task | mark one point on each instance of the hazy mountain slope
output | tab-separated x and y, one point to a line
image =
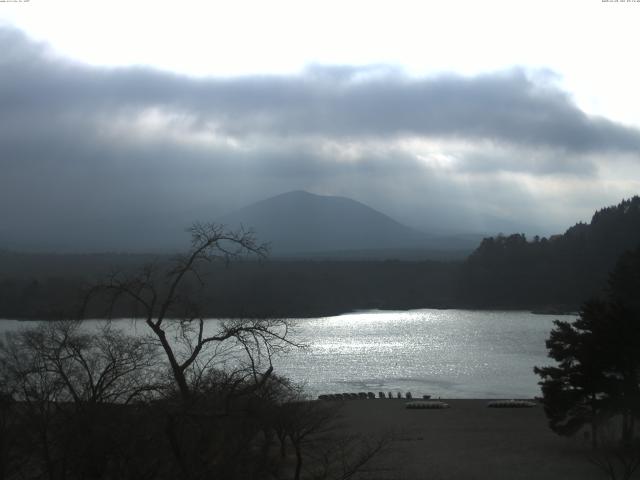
298	222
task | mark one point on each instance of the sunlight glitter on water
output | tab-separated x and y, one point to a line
443	353
447	353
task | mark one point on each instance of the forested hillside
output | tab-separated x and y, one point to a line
556	272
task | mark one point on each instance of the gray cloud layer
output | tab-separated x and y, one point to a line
336	102
74	150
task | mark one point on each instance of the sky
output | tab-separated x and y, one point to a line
123	122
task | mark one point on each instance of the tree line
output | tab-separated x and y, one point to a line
251	288
557	272
509	272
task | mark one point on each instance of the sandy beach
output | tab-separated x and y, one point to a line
467	441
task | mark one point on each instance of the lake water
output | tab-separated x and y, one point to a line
443	353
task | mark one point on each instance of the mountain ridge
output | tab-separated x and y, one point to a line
299	222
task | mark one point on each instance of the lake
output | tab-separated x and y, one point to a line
443	353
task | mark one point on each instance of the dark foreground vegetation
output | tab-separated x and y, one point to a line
181	402
508	272
594	385
77	404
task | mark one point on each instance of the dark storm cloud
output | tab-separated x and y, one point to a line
81	166
506	107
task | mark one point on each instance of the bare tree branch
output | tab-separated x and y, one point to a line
162	295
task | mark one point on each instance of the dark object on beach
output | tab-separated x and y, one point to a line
381	395
420	405
511	404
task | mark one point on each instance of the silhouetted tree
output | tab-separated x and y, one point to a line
93	404
63	378
322	448
170	299
598	355
576	391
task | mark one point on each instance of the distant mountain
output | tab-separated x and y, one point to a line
299	222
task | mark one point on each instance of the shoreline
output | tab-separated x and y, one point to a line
311	316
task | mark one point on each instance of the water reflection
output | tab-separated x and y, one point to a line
445	353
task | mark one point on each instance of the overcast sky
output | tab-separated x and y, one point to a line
134	118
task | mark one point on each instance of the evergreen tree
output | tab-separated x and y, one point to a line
598	355
576	392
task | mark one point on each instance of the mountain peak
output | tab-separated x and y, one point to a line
302	222
298	193
303	194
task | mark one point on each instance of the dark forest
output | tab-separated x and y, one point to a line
504	272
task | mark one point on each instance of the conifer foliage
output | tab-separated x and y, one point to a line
597	375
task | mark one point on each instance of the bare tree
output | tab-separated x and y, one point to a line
172	311
323	446
60	361
63	376
619	460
